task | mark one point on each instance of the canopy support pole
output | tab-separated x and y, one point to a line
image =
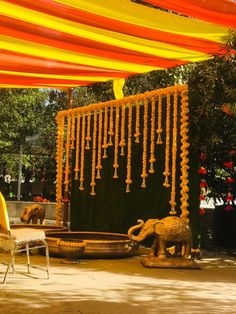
19	173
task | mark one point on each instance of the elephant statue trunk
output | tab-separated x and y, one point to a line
131	230
169	229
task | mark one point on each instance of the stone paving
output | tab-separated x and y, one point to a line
121	286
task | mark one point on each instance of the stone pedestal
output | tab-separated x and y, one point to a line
169	262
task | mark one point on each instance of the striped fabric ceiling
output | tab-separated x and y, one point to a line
221	12
67	43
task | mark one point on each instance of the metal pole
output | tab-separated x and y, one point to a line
19	173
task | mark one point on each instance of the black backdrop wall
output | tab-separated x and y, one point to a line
114	210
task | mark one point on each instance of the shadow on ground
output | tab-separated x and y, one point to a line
122	286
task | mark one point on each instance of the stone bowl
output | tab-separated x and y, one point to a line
97	244
71	248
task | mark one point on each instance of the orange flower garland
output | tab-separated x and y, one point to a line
105	145
88	137
93	183
76	170
128	180
137	122
152	144
82	154
116	148
184	155
122	132
110	132
67	168
99	158
59	161
159	120
145	136
167	149
72	143
174	155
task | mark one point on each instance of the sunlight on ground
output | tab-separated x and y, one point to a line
122	286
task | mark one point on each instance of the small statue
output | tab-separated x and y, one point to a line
167	230
33	212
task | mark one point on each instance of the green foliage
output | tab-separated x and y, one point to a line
19	115
211	85
212	94
25	114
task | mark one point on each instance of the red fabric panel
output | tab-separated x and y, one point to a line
12	61
18	79
221	12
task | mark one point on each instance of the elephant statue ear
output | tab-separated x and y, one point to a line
159	227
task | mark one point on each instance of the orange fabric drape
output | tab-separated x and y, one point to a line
56	43
221	12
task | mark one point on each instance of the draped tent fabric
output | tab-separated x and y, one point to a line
221	12
67	43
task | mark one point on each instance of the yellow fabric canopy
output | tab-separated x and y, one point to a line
66	43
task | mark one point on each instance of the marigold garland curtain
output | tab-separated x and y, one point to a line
49	43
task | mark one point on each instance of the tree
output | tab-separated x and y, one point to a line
20	117
213	122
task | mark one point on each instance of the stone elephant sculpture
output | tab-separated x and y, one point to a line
33	213
170	229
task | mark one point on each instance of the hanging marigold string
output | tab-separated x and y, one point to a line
128	180
105	145
72	139
99	157
77	151
137	122
122	132
116	148
67	167
88	137
152	143
59	162
81	179
159	120
94	153
145	137
174	155
110	132
167	148
184	155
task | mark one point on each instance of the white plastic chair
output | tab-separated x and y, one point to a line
19	240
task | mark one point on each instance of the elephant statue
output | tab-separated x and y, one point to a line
167	230
33	213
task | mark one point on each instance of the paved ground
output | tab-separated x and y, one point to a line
122	286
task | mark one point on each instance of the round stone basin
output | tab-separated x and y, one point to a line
97	244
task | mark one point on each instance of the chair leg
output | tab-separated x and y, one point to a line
47	257
6	272
28	257
11	264
13	261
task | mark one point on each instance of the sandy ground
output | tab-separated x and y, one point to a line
121	286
